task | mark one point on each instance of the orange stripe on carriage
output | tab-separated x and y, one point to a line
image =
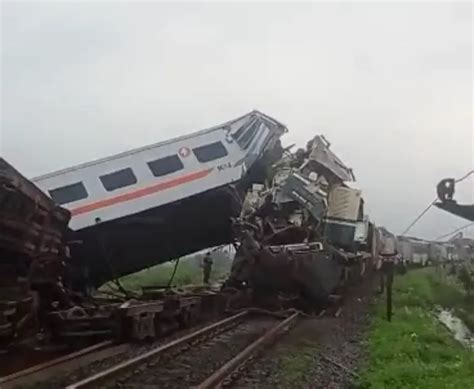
141	192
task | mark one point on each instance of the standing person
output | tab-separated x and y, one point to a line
207	267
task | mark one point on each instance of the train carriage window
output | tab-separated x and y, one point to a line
167	165
118	179
69	193
236	135
249	135
210	152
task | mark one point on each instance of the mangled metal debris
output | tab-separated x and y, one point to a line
305	232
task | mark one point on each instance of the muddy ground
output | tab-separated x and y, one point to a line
320	352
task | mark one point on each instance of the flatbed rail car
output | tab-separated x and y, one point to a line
157	203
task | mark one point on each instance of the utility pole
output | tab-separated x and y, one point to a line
389	275
387	279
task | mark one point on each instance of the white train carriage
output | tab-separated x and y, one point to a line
162	173
140	200
414	250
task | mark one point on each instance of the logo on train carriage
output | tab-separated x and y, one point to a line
184	151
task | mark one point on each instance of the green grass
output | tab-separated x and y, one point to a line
415	350
429	288
296	363
187	273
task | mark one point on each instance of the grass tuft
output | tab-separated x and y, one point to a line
297	361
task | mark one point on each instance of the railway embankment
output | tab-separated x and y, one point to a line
418	348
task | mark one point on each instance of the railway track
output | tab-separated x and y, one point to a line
59	372
207	358
62	365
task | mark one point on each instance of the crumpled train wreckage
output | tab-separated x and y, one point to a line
296	219
303	233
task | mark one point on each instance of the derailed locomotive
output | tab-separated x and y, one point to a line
304	232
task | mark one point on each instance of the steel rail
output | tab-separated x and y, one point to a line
61	365
217	379
141	360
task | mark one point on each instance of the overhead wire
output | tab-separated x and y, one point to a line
418	217
455	231
465	176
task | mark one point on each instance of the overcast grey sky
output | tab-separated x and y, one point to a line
389	84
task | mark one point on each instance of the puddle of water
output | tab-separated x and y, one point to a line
459	330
